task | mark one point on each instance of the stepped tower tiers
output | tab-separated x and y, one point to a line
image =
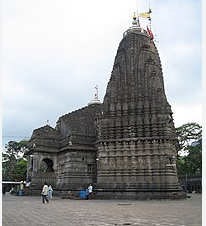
126	146
137	144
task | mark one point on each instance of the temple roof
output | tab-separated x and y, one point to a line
46	132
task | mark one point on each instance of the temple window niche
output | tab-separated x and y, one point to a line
90	168
46	165
171	161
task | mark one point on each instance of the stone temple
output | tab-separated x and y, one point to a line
126	146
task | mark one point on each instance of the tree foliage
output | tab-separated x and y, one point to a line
16	149
190	154
187	134
20	170
14	165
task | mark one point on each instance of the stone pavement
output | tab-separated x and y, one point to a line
30	211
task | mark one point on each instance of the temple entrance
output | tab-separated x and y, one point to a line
47	165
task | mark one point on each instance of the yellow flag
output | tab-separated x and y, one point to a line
145	15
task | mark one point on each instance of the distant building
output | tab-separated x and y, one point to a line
126	146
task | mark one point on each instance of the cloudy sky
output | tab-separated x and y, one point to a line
54	53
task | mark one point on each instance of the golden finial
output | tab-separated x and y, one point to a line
134	17
135	22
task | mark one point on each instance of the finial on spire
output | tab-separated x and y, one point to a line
96	94
95	100
135	21
134	17
150	10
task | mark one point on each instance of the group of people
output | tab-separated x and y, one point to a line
46	193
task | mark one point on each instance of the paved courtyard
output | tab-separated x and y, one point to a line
30	211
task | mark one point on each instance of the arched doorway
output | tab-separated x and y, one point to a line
47	165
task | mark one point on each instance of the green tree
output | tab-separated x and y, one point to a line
187	134
13	162
20	170
16	149
193	160
8	163
190	153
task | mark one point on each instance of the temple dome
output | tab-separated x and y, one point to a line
135	28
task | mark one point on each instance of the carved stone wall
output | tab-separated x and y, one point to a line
126	146
68	151
137	137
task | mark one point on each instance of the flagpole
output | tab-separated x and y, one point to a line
150	21
138	15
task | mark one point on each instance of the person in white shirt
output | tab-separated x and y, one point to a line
50	190
45	193
90	190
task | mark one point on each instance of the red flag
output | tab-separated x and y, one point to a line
150	33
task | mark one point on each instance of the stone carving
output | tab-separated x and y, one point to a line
124	146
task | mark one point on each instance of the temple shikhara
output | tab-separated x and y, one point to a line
126	146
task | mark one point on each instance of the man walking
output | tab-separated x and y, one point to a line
45	192
90	190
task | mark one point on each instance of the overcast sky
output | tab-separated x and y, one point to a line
54	53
